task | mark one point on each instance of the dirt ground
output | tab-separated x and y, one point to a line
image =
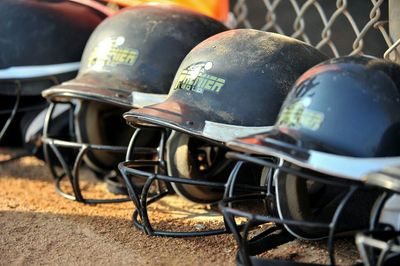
38	227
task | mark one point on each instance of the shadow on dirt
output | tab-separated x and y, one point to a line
46	238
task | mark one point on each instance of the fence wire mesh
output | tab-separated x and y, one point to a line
342	27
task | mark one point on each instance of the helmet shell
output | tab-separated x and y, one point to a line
40	35
138	49
239	77
347	106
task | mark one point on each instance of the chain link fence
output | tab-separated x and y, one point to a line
341	27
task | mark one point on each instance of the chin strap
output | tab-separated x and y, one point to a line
8	123
13	112
269	239
20	155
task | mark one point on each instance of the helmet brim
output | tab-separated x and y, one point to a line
192	120
91	87
170	114
275	143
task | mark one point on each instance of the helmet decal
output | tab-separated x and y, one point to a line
110	52
194	78
297	115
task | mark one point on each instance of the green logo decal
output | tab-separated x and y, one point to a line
109	52
297	115
194	78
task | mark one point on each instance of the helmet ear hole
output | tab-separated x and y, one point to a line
305	200
195	159
98	123
302	199
294	204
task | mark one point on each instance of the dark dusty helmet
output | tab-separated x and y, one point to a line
43	46
230	85
129	62
340	121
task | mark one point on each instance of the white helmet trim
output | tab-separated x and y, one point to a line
226	132
36	125
36	71
346	167
142	99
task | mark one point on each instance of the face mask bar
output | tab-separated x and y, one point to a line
268	239
13	112
141	197
380	245
52	146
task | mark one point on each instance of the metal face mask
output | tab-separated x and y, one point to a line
129	62
226	87
320	182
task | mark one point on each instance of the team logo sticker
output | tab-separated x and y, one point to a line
195	78
297	115
111	52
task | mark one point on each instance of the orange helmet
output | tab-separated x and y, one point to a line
217	9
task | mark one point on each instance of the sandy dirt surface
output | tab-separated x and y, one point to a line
37	226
